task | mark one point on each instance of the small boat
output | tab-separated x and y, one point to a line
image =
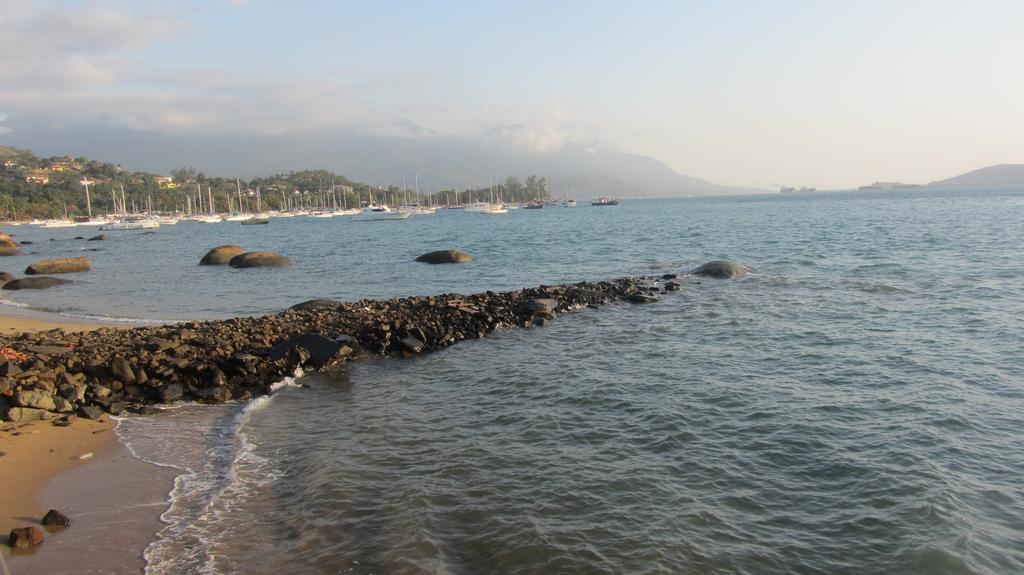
605	201
569	204
494	210
255	221
534	205
374	212
128	223
236	217
475	206
59	224
209	219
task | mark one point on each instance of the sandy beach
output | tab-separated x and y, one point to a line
83	471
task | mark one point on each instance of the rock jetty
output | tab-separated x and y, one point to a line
53	374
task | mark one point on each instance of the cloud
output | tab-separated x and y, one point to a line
545	132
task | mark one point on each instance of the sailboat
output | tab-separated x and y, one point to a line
211	218
259	218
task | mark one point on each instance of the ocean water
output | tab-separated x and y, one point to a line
854	406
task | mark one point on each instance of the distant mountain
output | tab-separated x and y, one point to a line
441	162
1001	175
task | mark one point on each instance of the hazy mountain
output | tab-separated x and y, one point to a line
1001	175
441	162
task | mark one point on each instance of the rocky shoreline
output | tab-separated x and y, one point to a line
56	375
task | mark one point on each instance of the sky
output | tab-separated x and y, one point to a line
831	94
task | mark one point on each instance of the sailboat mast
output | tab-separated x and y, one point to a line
88	204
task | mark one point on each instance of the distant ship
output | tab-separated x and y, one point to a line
605	201
802	190
888	186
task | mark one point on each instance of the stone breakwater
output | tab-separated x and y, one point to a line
53	374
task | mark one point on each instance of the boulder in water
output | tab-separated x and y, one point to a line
220	255
259	260
98	238
723	270
54	518
7	246
5	277
59	266
445	257
40	282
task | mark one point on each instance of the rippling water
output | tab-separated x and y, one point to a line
854	406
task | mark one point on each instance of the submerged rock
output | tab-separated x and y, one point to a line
40	282
220	255
723	270
317	304
445	257
59	266
259	260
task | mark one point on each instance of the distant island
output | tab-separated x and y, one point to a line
998	176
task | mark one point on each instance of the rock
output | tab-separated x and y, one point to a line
36	399
19	414
217	394
40	282
723	270
7	245
62	405
25	243
259	260
220	255
25	537
98	238
540	306
59	266
5	277
54	518
170	393
642	298
673	286
321	351
541	322
411	344
445	257
317	304
90	412
122	370
117	408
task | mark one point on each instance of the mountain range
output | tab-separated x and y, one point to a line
440	162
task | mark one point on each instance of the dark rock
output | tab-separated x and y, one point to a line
220	255
25	537
59	266
411	344
259	260
445	257
672	286
90	412
541	322
54	518
642	298
216	394
26	242
9	369
98	238
122	370
723	270
5	277
170	393
317	304
540	306
321	351
40	282
117	408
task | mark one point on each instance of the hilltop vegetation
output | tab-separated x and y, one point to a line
34	187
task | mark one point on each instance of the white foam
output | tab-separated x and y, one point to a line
210	485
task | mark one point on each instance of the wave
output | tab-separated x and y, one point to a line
218	462
81	316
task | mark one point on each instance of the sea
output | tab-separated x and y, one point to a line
855	405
